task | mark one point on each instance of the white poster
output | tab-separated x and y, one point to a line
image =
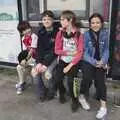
78	6
10	44
67	4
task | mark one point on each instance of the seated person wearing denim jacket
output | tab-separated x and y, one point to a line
96	53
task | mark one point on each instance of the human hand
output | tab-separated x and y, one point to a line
23	62
72	53
47	75
41	68
34	72
100	64
29	54
67	68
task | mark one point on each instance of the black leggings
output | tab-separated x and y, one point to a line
98	74
59	76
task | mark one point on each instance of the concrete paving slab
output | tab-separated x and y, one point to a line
27	107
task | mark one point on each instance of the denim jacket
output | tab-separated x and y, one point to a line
89	50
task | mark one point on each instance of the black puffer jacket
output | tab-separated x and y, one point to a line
45	46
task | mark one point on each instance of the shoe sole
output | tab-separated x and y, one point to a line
103	118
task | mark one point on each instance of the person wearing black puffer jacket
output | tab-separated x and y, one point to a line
45	55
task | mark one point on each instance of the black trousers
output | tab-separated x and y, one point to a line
59	77
98	74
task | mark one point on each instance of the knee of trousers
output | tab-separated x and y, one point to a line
20	68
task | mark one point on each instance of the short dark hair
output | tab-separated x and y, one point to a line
23	25
94	15
48	13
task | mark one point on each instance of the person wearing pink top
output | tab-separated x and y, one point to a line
69	48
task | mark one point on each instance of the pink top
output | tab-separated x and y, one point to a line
59	47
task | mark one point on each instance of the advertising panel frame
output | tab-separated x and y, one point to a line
5	63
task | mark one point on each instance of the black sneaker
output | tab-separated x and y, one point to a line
62	99
50	97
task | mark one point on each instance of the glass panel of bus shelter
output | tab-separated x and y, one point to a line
10	44
33	10
102	7
78	6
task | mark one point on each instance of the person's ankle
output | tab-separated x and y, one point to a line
74	106
103	104
62	99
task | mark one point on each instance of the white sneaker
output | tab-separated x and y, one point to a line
17	85
19	91
84	103
101	113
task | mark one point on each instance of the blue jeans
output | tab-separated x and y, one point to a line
42	89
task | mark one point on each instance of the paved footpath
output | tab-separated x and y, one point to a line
27	107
